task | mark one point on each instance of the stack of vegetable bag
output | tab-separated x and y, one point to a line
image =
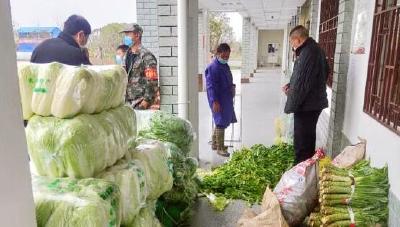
81	128
156	178
82	146
129	175
70	202
64	91
249	172
146	217
169	128
153	156
174	207
356	196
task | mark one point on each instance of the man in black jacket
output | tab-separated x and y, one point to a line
68	47
306	92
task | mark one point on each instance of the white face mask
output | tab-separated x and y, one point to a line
120	60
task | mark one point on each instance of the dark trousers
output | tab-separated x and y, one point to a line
305	125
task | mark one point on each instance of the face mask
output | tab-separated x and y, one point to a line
119	60
222	61
128	41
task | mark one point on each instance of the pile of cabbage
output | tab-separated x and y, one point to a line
142	176
71	202
64	91
139	179
169	128
82	144
174	206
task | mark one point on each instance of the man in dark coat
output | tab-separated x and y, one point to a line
306	92
68	47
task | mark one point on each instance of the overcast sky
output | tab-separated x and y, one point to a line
97	12
236	22
55	12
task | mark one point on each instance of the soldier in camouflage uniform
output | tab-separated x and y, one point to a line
141	66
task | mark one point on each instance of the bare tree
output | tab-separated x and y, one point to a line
220	30
103	43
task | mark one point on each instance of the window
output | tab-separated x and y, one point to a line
327	32
382	91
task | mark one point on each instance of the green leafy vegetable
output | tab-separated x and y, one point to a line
174	208
177	135
146	218
129	176
153	156
76	203
169	128
361	190
27	74
80	147
64	91
249	172
218	202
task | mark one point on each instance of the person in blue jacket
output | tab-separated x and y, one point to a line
220	94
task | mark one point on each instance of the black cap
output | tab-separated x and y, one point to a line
133	28
75	24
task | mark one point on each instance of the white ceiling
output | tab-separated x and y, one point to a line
265	14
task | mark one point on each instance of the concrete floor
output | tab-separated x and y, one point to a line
257	105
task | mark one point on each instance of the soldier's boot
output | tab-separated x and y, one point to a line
221	148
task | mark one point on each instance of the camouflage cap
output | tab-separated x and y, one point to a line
133	28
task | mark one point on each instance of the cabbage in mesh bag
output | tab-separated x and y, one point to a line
76	203
64	91
27	74
44	89
73	89
111	86
129	176
169	128
146	218
154	158
80	147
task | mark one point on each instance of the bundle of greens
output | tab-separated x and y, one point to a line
249	172
129	176
82	146
173	208
314	220
76	203
64	91
354	196
169	128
